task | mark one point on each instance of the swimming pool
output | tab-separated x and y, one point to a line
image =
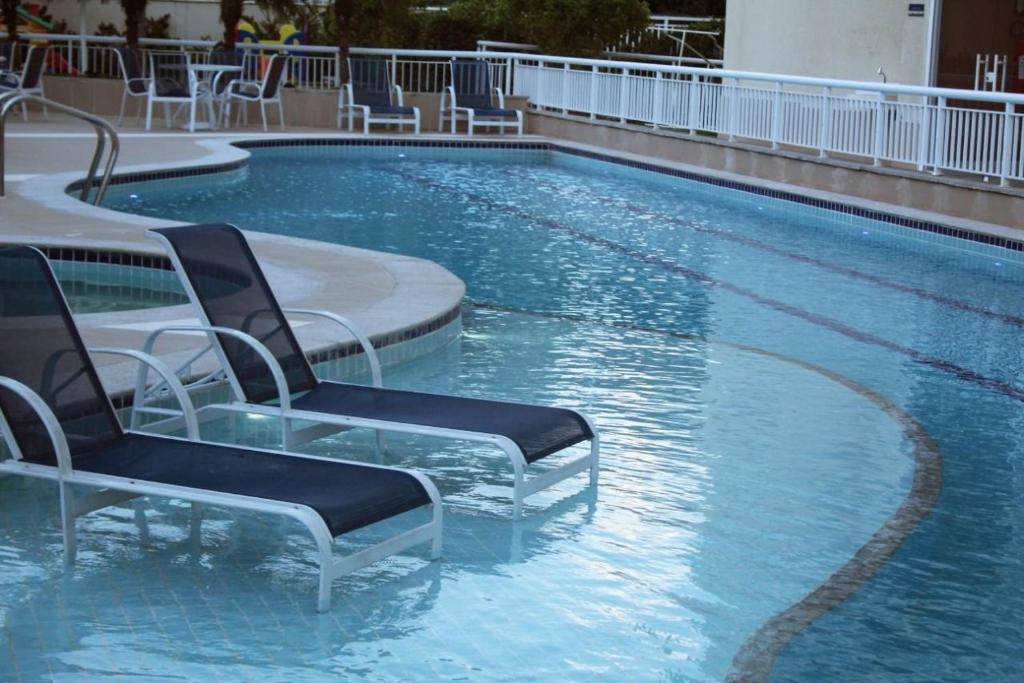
765	377
107	287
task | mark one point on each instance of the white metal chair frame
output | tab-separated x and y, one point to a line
24	75
192	99
368	117
455	113
127	92
113	490
253	91
327	423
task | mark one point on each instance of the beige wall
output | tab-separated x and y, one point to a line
843	39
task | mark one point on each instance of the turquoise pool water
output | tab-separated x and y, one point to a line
107	287
757	370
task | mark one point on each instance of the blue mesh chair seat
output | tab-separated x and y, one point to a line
371	95
229	290
472	97
537	430
57	423
347	496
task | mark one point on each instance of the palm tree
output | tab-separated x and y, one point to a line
230	14
134	18
10	9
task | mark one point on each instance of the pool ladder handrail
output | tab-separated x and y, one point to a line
103	129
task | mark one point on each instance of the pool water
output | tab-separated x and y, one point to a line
105	287
764	375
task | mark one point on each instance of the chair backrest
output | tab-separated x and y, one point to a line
7	52
169	70
35	63
272	79
471	79
371	82
42	349
131	69
228	284
229	57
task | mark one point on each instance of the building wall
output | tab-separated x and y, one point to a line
190	19
843	39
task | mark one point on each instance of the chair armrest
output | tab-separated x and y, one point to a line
501	98
450	92
49	420
188	412
364	341
283	394
398	95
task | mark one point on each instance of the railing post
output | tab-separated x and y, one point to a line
825	134
659	95
1006	168
508	75
924	136
776	127
733	110
593	92
691	103
623	90
879	144
394	73
337	68
939	146
565	88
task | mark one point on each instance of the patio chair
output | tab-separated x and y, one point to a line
222	81
58	424
371	95
471	96
171	82
228	291
267	91
30	81
135	83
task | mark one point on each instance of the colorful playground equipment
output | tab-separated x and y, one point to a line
32	23
247	35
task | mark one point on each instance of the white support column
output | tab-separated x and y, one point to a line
1006	167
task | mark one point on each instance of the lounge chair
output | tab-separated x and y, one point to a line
135	84
228	290
266	91
470	96
58	424
30	81
371	95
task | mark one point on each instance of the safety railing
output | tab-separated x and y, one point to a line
103	130
928	129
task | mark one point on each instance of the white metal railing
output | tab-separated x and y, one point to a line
934	129
929	129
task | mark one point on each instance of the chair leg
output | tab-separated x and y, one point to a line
280	112
453	121
124	101
167	114
24	112
263	114
416	126
469	124
192	116
149	113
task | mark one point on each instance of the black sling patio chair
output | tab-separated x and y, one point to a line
30	80
472	97
371	95
270	375
57	423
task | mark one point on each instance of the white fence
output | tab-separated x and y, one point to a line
932	129
928	129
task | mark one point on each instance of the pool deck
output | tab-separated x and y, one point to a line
382	293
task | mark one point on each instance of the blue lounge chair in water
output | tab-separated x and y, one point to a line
270	375
471	97
57	423
371	95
